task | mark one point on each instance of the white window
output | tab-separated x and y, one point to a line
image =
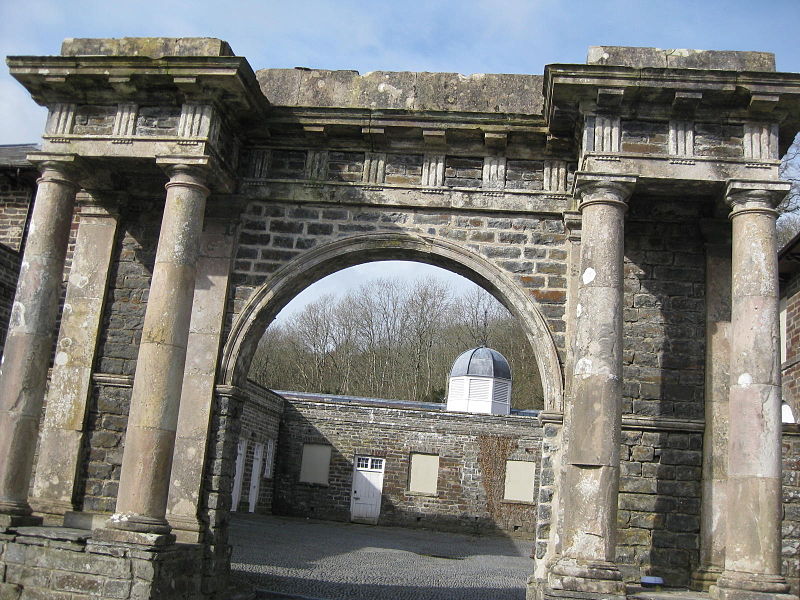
424	473
269	459
520	476
315	464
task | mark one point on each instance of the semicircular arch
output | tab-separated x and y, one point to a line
282	286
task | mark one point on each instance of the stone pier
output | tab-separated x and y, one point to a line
23	374
717	391
68	395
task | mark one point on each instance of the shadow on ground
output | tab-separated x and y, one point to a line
336	561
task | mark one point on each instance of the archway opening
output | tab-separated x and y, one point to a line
455	473
391	330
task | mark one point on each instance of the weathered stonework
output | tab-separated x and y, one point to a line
589	200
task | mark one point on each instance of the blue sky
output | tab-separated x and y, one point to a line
465	36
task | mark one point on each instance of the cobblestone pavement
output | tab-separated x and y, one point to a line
344	561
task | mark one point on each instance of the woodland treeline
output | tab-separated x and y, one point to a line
392	338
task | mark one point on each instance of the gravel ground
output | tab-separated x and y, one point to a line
346	561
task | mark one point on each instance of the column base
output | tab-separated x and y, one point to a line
85	520
120	536
735	585
187	530
569	578
704	577
138	523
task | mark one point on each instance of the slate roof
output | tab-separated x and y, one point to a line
13	155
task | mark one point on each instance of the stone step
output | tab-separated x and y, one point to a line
665	594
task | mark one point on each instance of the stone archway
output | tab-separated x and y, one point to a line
279	289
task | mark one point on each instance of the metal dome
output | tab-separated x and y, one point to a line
481	362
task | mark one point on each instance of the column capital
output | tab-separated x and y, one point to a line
751	195
187	171
601	188
65	169
573	224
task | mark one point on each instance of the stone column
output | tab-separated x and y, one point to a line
753	541
155	399
23	374
71	379
197	395
715	435
591	482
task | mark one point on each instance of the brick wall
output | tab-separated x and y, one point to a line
9	273
472	452
790	371
15	203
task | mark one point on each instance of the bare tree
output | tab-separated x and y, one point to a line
789	209
392	339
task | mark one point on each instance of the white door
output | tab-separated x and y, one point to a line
255	476
365	506
238	474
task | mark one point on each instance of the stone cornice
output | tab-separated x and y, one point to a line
570	90
227	81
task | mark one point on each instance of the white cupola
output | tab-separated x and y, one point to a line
480	382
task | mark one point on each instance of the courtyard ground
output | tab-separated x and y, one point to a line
304	558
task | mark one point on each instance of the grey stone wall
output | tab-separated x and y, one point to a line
664	312
790	528
659	504
529	248
66	564
472	451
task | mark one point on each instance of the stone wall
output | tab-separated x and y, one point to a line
530	249
472	451
261	416
66	564
664	309
659	503
790	528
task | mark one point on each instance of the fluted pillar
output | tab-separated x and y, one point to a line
155	399
753	540
23	374
591	482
